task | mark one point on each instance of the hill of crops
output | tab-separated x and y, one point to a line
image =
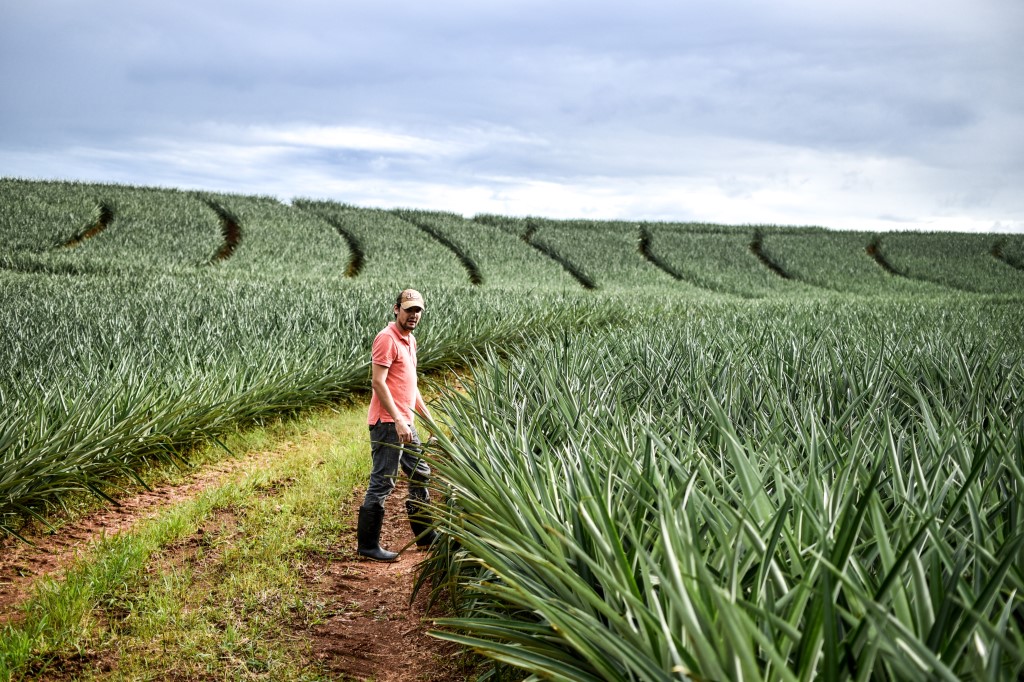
688	450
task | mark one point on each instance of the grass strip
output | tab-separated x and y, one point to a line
209	588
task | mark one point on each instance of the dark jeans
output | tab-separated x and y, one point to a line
387	456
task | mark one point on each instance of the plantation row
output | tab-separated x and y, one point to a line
788	493
74	228
99	375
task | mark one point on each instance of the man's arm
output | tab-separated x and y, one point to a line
378	381
421	407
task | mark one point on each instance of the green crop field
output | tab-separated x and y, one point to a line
844	262
721	260
685	451
965	262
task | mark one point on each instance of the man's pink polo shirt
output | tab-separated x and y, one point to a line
398	353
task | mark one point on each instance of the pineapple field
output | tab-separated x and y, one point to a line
677	451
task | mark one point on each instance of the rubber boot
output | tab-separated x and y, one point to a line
418	519
368	534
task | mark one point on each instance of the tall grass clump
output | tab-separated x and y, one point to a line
785	494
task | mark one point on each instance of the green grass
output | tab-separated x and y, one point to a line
134	607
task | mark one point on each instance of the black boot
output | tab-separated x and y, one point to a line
418	519
368	534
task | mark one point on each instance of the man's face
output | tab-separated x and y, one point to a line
408	318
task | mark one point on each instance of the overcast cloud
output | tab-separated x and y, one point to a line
857	114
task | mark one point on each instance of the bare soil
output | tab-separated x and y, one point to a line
374	632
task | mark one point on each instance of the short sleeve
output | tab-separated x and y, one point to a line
384	350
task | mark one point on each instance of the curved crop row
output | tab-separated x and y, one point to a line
1001	251
756	249
717	260
846	262
577	273
476	278
526	229
285	242
395	253
355	247
103	219
648	253
162	229
957	260
874	249
500	258
40	216
142	228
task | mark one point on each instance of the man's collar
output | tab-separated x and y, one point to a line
397	331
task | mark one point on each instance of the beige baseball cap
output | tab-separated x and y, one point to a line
412	299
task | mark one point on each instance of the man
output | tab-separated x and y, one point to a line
393	437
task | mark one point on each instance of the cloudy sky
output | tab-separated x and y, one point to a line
858	114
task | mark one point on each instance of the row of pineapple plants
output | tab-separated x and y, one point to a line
100	375
783	493
54	227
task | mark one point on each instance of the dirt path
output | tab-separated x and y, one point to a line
21	564
371	630
374	632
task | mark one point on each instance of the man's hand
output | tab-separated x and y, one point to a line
404	432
